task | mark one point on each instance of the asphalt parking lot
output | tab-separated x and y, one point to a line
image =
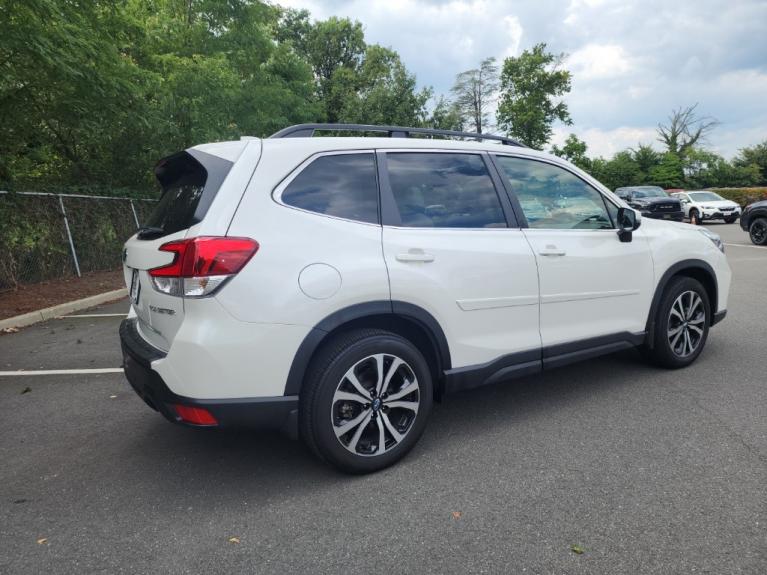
644	470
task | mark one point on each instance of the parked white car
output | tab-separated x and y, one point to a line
336	287
701	205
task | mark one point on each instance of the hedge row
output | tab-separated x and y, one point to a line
742	196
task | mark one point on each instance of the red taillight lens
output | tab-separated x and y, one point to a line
206	256
195	415
201	265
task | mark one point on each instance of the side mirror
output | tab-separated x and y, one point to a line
628	221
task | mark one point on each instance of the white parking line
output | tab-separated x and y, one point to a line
95	315
745	246
61	371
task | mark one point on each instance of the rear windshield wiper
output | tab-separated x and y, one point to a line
149	232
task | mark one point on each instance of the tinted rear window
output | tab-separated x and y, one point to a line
189	181
339	185
444	190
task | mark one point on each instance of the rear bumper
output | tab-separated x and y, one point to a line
278	413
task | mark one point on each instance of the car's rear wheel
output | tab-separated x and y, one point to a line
681	324
366	400
758	231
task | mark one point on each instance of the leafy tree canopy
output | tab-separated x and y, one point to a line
532	85
574	151
107	88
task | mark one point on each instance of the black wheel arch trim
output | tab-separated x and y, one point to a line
344	316
674	270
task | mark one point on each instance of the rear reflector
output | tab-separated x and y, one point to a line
195	415
201	265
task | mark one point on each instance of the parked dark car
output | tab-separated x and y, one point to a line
754	221
653	202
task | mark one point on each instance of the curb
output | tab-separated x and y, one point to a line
32	317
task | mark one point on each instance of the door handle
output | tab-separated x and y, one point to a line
551	252
415	255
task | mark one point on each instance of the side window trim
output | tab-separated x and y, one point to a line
389	211
508	192
508	208
390	215
518	206
278	190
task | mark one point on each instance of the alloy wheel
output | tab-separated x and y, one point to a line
758	232
686	323
375	404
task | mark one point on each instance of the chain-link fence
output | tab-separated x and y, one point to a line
47	236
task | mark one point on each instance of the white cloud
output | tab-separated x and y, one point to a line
599	61
606	143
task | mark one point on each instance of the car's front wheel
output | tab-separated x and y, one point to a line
758	231
694	217
730	220
681	324
366	400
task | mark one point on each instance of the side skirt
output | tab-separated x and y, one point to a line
524	363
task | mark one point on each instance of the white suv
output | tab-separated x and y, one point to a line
700	205
335	287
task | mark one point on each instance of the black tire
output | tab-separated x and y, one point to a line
321	413
757	231
694	217
663	353
730	220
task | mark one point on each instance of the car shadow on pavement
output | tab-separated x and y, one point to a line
240	460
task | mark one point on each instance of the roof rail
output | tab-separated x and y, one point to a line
308	130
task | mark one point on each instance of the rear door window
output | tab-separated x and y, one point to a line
338	185
189	180
444	190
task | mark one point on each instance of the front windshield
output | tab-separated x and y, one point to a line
704	196
649	193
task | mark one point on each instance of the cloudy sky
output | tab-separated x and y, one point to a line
632	62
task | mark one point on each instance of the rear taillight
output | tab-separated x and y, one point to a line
201	265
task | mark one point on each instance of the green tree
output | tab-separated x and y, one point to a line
668	173
384	92
754	156
108	88
573	150
646	159
531	89
474	92
294	28
621	170
446	116
67	93
336	48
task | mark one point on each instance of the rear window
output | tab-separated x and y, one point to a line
189	181
339	185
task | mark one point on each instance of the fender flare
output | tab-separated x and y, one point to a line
675	269
341	317
760	212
